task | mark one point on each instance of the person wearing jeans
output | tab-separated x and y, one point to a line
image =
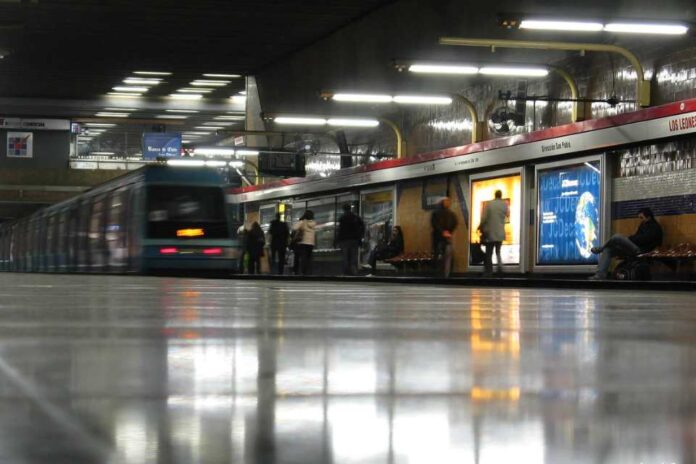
647	238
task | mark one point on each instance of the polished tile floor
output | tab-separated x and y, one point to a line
163	370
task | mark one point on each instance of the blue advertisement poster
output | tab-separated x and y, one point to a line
569	214
161	144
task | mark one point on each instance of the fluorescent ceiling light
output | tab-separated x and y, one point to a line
185	141
141	81
196	133
209	83
243	93
214	151
236	164
106	114
96	131
102	153
218	123
422	100
152	73
514	71
185	96
302	121
215	163
223	76
583	26
443	69
195	90
99	124
229	118
121	109
209	127
171	116
246	152
127	88
353	122
181	111
636	28
362	98
185	162
238	98
125	95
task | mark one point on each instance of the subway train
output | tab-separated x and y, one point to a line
568	188
153	219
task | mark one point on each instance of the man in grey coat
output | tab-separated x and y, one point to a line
492	228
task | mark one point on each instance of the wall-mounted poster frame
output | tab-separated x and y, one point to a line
586	230
377	221
514	180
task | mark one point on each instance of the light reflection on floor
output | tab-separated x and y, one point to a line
148	370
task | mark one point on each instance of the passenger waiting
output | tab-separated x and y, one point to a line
443	222
389	249
351	231
279	233
647	238
254	246
492	229
305	239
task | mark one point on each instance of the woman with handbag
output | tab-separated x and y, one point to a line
303	241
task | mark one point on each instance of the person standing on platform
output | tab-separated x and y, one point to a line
305	233
242	237
647	238
351	231
255	243
443	222
492	228
279	233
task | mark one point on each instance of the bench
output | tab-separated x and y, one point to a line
638	267
414	261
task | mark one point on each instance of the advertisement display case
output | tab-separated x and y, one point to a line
482	190
570	214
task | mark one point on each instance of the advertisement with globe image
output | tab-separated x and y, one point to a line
569	214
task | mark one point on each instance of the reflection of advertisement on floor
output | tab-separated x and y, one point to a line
482	192
569	220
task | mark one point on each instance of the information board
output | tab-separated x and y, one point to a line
569	220
161	144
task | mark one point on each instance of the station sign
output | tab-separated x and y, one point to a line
161	145
35	124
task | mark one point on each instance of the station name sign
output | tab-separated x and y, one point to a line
683	123
35	124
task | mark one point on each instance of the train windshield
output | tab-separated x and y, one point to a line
186	212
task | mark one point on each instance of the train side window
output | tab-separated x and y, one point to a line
96	232
115	229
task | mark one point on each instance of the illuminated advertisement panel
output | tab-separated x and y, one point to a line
569	214
483	191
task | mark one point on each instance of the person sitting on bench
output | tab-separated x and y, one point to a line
647	238
394	247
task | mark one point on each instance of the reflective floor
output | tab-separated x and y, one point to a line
156	370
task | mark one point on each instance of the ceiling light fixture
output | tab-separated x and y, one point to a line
217	123
102	153
141	81
223	76
637	28
215	163
99	124
214	151
171	116
121	109
236	164
514	71
125	95
186	162
209	127
300	121
340	122
362	98
246	152
230	118
195	90
108	114
550	25
442	69
196	133
209	83
186	96
422	100
181	111
126	88
152	73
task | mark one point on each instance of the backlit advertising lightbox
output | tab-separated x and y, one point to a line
483	191
569	213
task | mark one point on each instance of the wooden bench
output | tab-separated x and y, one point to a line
638	267
418	261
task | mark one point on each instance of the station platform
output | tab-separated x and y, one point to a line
120	369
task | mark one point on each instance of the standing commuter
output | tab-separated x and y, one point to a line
443	222
305	236
255	244
280	233
351	231
242	237
492	228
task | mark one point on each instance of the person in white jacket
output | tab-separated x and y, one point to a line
305	238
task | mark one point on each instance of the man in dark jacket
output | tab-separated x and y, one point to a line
351	231
647	238
443	222
279	232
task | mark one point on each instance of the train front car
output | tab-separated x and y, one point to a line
187	225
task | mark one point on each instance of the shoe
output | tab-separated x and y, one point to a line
369	275
596	250
596	277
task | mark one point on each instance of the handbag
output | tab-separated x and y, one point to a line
296	238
